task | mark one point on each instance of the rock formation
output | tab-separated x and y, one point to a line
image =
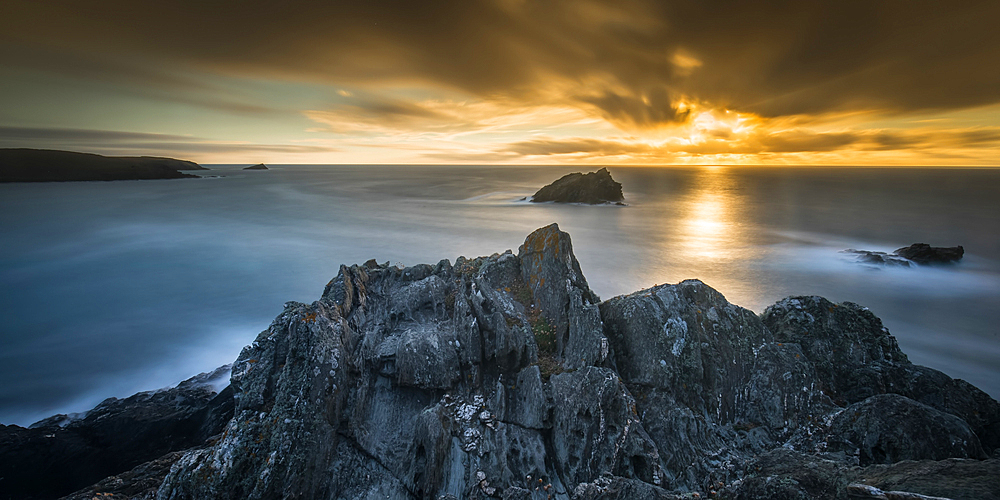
915	254
507	377
259	166
63	453
41	165
592	188
922	253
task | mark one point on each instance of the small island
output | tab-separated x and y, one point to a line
259	166
44	165
593	188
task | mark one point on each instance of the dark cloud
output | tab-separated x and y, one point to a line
775	58
10	134
121	142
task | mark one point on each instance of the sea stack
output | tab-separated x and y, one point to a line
593	188
259	166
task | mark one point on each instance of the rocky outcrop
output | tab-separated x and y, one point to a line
41	165
591	188
915	254
63	453
506	377
259	166
922	253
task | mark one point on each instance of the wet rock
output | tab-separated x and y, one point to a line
785	474
888	428
879	258
955	478
687	340
924	254
591	188
596	429
847	344
562	296
619	488
855	357
64	453
504	377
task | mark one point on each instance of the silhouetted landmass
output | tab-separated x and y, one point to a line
592	188
259	166
44	165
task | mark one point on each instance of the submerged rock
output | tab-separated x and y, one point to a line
922	253
592	188
259	166
915	254
506	377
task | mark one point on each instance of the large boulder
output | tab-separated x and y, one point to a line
591	188
888	428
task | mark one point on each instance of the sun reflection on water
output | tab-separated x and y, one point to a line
708	229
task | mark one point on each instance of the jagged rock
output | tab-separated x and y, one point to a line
847	344
562	296
259	166
502	377
924	254
879	258
915	254
888	428
64	453
619	488
955	478
591	188
140	483
596	429
785	474
855	357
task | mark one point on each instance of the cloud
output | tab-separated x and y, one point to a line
138	143
757	143
774	59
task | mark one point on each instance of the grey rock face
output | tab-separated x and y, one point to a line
847	344
888	428
855	358
504	377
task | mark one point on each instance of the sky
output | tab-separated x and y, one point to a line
820	82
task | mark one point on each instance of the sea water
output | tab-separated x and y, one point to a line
109	288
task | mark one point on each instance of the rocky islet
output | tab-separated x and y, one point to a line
507	377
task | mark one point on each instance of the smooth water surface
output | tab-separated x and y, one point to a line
108	288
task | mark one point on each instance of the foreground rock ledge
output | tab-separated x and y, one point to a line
506	377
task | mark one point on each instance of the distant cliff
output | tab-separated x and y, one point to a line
507	377
43	165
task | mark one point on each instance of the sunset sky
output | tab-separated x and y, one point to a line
506	81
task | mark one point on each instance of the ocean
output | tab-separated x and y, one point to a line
109	288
